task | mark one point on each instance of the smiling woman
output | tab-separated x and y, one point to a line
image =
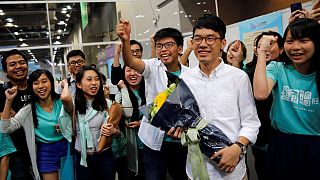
39	120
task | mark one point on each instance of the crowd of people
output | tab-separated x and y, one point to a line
270	103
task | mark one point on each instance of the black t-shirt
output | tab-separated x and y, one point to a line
23	97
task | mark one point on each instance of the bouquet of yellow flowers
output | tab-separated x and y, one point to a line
160	99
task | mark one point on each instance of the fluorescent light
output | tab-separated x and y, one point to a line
2	13
24	45
69	7
61	23
146	31
16	33
57	43
59	31
10	20
9	25
20	39
58	37
63	12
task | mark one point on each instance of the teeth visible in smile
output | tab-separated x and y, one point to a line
165	55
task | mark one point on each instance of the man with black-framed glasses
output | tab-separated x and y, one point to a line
225	100
76	60
163	150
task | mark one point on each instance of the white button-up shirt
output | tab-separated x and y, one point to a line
156	81
225	100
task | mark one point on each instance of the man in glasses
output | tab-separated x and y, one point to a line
116	70
76	60
162	151
225	99
15	66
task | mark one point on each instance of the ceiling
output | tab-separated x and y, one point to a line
29	22
26	25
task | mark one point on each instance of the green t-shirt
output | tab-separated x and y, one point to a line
46	131
6	145
296	106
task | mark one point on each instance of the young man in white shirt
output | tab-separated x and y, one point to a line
225	99
163	150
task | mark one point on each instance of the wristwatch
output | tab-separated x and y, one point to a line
242	147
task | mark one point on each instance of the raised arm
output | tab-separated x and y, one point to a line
10	95
117	56
262	85
66	97
123	30
153	47
116	70
315	11
186	53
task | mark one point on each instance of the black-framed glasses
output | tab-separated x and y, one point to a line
79	62
167	45
137	51
208	39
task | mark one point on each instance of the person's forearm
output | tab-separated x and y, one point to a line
4	166
129	60
66	99
116	59
185	56
260	83
153	51
6	110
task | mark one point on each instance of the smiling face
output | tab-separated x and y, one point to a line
75	63
90	84
168	55
208	53
300	51
17	68
42	87
132	77
136	51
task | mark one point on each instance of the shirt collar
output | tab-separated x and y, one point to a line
217	72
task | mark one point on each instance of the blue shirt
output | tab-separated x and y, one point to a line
46	131
6	145
296	107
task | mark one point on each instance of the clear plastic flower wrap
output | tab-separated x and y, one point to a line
181	110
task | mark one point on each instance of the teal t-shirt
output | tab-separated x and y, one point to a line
6	145
177	73
46	131
296	106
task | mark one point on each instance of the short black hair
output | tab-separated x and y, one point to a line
169	33
10	53
210	21
75	53
132	42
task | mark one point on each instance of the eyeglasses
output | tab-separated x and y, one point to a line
137	51
209	40
167	45
79	62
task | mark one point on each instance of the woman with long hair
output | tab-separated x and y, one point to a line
40	121
293	150
259	149
90	108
